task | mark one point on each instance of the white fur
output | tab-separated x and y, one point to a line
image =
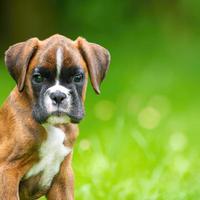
58	87
59	61
52	152
50	107
66	104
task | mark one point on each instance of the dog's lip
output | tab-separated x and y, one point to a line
73	119
58	113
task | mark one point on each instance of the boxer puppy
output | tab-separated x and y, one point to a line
38	121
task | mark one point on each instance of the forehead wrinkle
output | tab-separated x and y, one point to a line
58	54
48	44
48	56
71	56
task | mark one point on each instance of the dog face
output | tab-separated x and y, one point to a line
58	82
53	75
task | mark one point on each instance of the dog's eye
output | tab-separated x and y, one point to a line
38	78
78	78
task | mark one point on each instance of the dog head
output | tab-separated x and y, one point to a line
53	74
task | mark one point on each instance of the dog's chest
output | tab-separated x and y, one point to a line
52	152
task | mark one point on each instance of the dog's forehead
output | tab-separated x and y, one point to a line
59	50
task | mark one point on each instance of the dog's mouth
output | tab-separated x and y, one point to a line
66	117
58	113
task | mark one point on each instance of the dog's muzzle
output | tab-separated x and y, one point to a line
63	103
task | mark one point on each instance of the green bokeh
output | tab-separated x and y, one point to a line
140	137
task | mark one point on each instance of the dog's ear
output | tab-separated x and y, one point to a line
97	60
17	59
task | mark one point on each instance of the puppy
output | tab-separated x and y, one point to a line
38	121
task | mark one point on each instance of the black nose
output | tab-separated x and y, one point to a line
57	97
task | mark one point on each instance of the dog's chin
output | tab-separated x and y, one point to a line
58	117
55	119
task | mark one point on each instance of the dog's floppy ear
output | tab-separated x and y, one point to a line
97	60
17	59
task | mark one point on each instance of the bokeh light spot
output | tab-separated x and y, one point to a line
181	165
177	141
84	145
100	165
149	118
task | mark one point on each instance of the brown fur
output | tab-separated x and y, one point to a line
20	135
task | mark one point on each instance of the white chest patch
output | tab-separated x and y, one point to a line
52	153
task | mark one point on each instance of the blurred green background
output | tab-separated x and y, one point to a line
140	137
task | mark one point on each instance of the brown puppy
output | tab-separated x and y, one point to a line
38	120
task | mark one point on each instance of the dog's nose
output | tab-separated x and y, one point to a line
57	97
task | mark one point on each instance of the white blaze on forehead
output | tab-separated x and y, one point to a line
59	60
58	87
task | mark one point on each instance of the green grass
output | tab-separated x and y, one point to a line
140	137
